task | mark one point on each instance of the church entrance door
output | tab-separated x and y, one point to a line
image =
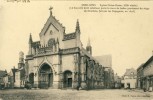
45	76
31	78
69	82
67	79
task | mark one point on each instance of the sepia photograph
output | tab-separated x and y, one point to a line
76	50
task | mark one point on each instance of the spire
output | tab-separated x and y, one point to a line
50	10
77	26
88	47
30	45
30	38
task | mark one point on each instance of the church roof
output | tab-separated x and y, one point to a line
70	36
84	51
105	60
36	44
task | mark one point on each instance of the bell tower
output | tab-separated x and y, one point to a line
21	60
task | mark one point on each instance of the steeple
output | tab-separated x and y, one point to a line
77	26
30	39
88	47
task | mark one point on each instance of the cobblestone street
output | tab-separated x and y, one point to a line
55	94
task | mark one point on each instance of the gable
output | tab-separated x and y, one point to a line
51	29
51	32
52	22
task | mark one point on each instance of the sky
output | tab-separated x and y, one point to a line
128	37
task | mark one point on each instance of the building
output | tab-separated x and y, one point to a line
58	59
148	74
140	77
6	81
3	79
20	73
12	77
108	77
117	81
17	76
129	78
106	62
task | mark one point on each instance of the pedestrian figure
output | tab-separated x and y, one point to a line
78	87
144	89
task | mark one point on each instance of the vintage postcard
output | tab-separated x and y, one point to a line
76	49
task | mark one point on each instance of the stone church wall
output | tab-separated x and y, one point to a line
68	62
70	43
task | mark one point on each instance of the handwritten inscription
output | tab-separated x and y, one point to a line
23	1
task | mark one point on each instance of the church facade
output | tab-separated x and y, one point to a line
59	60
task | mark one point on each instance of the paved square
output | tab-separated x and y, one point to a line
57	94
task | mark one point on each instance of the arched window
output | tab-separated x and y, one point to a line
51	42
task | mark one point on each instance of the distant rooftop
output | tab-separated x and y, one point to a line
2	73
141	66
130	71
104	60
148	61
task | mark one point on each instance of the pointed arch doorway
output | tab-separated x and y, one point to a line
45	76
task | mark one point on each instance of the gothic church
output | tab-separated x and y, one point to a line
59	60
